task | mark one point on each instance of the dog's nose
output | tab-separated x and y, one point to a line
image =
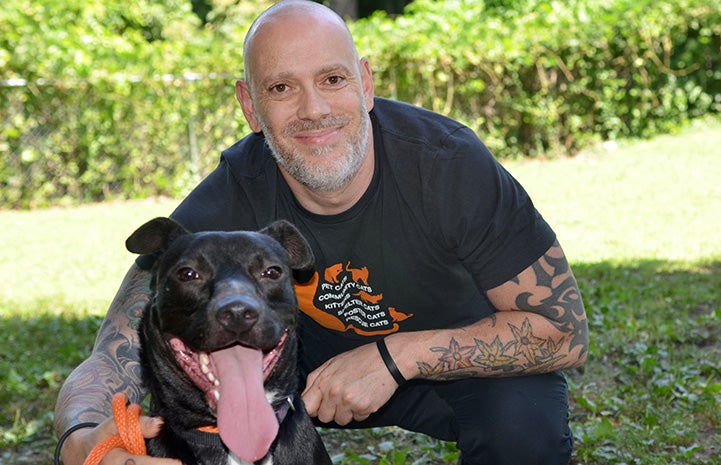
237	315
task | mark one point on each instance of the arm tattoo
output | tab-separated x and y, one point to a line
525	354
114	364
516	348
562	304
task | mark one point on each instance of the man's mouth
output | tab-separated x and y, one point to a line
318	138
320	132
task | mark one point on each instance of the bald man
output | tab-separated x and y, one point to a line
441	301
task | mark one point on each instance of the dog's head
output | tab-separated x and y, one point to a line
224	303
215	289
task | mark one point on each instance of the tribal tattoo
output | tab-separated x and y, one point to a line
563	305
517	348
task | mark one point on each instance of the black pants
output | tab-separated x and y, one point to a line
505	421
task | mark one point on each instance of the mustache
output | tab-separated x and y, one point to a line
325	122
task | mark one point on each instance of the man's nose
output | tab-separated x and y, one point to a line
313	104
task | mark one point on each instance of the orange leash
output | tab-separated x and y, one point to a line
129	437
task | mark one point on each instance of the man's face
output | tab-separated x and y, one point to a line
310	97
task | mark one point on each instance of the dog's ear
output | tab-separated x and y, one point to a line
154	236
301	255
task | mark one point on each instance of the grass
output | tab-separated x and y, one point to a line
640	223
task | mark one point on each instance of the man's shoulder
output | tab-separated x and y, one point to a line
247	158
413	133
236	194
413	124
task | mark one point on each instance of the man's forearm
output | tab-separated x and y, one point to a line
540	327
505	344
87	394
114	365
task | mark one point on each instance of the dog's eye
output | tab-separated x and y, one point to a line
188	274
274	272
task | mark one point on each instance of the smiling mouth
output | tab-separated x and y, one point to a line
324	137
317	132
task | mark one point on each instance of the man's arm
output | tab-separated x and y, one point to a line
112	367
540	327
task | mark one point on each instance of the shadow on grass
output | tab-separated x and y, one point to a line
650	391
39	352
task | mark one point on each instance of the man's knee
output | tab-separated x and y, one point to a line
516	443
522	421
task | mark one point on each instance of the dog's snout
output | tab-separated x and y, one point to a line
237	314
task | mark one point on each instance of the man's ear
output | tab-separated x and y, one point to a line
367	82
242	93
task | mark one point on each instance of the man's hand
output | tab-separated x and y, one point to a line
81	442
350	386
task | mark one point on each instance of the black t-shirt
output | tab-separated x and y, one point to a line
441	223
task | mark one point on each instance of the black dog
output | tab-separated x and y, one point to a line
218	345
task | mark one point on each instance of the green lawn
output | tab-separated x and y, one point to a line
640	223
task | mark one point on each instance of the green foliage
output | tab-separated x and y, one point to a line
548	77
387	446
111	104
657	345
137	99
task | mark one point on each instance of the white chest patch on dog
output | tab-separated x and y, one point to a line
272	397
235	460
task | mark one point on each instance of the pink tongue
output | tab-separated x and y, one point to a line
246	421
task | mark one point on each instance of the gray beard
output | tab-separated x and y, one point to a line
343	170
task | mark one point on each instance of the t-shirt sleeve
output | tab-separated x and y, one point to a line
218	203
195	211
486	216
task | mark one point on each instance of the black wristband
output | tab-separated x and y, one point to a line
390	364
65	435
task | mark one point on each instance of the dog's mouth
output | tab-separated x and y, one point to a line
232	379
201	368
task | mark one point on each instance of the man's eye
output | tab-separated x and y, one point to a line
335	80
279	88
187	274
274	272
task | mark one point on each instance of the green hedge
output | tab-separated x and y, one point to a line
552	77
125	100
88	142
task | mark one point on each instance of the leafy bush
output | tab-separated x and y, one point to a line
133	100
551	76
120	101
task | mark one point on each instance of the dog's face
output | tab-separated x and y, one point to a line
214	290
224	304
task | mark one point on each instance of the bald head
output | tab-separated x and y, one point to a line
293	17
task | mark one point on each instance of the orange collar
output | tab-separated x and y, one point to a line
208	429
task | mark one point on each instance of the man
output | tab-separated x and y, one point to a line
421	241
